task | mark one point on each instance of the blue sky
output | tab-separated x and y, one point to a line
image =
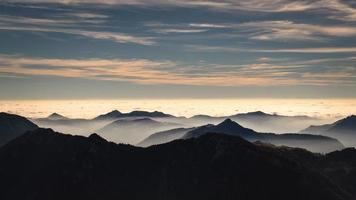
81	49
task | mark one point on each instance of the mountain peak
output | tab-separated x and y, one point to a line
229	123
96	137
56	116
110	115
348	120
257	113
351	117
114	112
138	113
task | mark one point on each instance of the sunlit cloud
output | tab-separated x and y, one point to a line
277	30
311	50
65	25
116	37
166	31
142	71
203	48
338	9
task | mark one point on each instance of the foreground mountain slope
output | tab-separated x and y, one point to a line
12	126
46	165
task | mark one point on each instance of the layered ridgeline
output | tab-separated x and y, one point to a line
68	125
132	131
259	121
262	122
46	165
12	126
344	130
88	126
314	143
135	128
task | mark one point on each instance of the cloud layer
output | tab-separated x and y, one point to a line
143	71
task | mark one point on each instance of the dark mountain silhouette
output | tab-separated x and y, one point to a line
344	130
340	166
315	143
164	136
56	116
12	126
228	127
146	114
116	114
109	116
46	165
133	131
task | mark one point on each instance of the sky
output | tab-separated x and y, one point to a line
108	49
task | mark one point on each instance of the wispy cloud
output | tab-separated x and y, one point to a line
337	9
67	26
116	37
277	30
171	30
202	48
263	30
142	71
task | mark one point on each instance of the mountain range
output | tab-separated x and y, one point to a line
115	114
315	143
44	165
344	130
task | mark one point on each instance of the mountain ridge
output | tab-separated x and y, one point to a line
214	166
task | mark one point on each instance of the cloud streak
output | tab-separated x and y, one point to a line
142	71
320	50
339	9
66	26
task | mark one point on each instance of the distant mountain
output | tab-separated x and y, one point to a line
109	116
316	129
315	143
46	165
133	131
12	126
164	136
228	127
117	114
263	122
71	126
56	116
146	114
344	126
344	130
260	114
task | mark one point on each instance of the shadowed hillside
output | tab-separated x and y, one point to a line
12	126
46	165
